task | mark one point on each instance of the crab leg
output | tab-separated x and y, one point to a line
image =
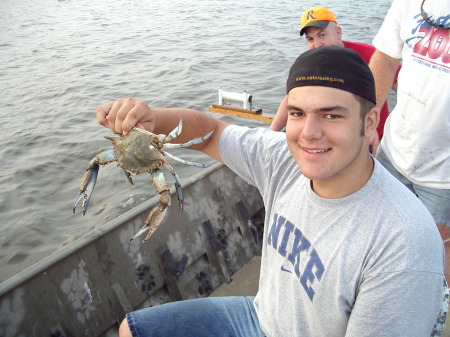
128	174
187	162
177	186
87	186
163	138
90	178
158	213
194	141
174	134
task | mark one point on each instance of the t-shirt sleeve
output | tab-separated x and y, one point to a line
388	39
251	153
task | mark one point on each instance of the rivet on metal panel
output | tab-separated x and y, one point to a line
57	331
247	218
123	299
177	269
217	244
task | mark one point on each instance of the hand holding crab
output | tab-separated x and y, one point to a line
137	152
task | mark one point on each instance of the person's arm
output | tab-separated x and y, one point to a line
280	119
395	84
120	116
384	69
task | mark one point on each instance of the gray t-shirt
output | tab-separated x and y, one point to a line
369	264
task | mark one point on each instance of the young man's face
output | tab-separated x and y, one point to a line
323	133
330	36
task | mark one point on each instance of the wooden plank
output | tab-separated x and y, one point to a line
243	113
252	112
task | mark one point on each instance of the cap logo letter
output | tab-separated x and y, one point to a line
310	16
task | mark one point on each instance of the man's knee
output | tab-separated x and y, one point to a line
124	329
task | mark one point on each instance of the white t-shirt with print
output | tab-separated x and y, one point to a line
417	132
369	264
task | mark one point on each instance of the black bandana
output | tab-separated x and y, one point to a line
335	67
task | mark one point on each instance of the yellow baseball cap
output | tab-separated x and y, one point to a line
316	17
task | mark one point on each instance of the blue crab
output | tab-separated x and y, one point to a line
137	152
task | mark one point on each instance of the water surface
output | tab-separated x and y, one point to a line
61	59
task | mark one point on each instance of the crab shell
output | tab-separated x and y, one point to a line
137	153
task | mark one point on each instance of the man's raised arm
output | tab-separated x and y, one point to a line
122	115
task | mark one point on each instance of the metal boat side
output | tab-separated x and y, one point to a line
86	288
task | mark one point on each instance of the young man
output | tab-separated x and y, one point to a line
319	25
416	147
347	249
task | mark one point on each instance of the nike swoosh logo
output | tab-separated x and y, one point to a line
284	269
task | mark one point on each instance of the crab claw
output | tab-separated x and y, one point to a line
155	217
87	186
128	174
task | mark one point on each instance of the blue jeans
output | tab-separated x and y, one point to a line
437	201
203	317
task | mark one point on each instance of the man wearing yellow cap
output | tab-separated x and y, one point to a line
319	25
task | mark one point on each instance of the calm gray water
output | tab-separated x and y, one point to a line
61	59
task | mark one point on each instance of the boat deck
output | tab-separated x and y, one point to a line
244	282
